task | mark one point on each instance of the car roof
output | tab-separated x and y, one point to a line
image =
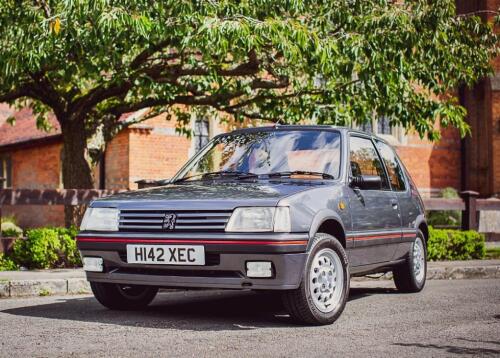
285	127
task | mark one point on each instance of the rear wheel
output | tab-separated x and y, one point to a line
410	277
123	297
323	291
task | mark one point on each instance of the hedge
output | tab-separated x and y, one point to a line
47	248
7	264
454	245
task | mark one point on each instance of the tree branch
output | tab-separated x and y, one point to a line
14	94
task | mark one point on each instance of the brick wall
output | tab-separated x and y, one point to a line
156	151
433	166
117	162
496	141
36	168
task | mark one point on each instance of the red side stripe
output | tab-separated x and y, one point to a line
176	241
374	237
409	235
378	236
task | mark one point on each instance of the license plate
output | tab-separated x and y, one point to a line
166	254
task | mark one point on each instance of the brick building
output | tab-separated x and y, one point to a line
30	158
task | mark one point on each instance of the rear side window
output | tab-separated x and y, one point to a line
365	160
393	168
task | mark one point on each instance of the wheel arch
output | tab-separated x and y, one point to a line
328	222
422	226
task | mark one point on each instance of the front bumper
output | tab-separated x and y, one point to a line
226	257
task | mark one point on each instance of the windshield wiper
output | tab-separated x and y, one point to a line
300	172
222	174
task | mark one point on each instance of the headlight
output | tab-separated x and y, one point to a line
100	219
260	219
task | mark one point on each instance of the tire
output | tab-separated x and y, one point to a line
326	265
410	277
123	297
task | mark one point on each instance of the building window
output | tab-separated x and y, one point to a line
5	172
366	127
201	133
381	126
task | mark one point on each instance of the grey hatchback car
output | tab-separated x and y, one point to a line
293	209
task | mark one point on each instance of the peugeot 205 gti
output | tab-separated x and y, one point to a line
295	209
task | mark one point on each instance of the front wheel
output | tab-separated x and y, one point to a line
123	297
323	291
410	276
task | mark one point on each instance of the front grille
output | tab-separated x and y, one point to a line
186	220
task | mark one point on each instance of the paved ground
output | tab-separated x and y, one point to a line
460	317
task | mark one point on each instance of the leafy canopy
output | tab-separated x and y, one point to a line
335	61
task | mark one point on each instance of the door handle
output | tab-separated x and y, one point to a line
394	204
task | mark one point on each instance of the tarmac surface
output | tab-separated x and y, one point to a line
448	318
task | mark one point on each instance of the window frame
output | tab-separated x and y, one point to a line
6	165
349	170
198	136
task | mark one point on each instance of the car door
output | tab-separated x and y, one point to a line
376	219
401	187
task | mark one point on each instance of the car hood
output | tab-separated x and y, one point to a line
220	195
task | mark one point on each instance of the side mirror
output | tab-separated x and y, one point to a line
366	182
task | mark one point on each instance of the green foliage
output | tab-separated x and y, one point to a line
335	61
329	62
446	217
455	245
47	248
7	264
10	229
44	292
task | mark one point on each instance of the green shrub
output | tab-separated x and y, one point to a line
9	219
71	257
445	217
6	263
9	229
455	245
47	248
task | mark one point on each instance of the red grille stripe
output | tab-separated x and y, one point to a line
176	241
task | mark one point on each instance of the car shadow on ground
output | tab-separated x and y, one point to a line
184	310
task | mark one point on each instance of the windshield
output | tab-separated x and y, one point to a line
268	152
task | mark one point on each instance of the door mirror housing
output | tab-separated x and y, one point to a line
366	182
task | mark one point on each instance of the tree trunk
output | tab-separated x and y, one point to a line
76	170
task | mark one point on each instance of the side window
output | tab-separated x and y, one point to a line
365	160
393	168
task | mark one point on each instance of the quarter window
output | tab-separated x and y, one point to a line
393	168
365	160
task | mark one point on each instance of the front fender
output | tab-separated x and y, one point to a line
318	219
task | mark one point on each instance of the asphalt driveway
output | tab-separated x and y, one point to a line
460	317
